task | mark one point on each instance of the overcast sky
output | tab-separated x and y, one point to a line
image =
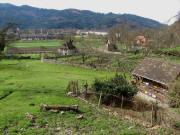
160	10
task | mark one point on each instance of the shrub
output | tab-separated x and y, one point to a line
174	93
72	86
168	52
118	85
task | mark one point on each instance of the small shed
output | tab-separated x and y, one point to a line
68	48
153	76
109	47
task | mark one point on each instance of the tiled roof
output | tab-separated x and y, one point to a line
157	70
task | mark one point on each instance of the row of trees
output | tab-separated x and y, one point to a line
162	37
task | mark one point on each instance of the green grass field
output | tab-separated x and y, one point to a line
27	81
36	44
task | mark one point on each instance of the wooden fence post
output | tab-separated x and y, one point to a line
42	57
152	113
85	89
77	87
122	100
99	99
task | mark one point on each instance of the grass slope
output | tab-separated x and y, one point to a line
25	82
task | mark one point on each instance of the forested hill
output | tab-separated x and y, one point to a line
30	17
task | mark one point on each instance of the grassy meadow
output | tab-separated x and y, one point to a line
54	43
25	82
36	44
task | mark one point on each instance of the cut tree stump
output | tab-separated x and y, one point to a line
79	117
59	108
30	117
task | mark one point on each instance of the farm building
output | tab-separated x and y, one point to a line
140	42
68	48
154	76
109	47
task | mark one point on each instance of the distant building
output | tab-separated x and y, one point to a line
82	32
140	42
36	36
68	48
86	33
109	47
154	76
98	33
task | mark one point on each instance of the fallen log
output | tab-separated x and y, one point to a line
59	108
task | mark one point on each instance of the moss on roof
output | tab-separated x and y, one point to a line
157	70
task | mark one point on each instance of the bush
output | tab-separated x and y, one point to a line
174	93
168	52
118	85
72	86
176	125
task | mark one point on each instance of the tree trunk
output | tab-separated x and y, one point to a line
59	108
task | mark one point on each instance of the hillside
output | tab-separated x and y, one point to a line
31	17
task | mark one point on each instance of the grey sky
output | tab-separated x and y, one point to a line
161	10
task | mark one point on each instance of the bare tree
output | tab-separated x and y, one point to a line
122	34
85	51
4	37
